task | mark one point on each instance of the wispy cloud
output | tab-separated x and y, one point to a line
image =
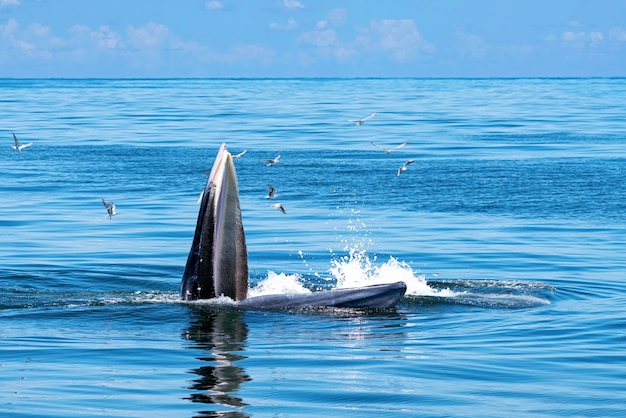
618	34
249	53
293	4
321	36
106	38
35	41
471	45
290	25
151	35
326	42
582	39
6	3
337	16
399	37
142	47
214	5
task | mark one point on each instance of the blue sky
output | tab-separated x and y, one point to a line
312	38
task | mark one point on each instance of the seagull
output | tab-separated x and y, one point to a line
110	208
272	161
240	154
272	194
359	122
17	147
405	166
280	207
389	150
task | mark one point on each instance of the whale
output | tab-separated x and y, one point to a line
217	263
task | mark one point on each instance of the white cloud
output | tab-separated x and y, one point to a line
320	37
618	34
149	36
6	3
10	29
595	37
247	53
398	37
472	45
326	42
37	29
214	5
107	39
292	4
573	37
322	24
337	16
35	41
581	39
290	25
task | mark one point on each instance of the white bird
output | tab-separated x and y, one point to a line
272	193
360	122
110	208
270	162
240	154
17	147
405	166
390	150
280	207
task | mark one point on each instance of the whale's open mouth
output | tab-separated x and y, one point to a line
218	260
217	264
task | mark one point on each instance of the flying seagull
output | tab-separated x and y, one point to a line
110	208
240	154
272	193
280	207
389	150
360	122
272	161
405	166
17	147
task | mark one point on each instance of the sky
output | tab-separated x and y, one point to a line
312	38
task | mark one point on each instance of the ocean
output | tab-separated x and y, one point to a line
509	229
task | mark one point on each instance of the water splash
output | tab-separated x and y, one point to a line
355	270
278	284
359	269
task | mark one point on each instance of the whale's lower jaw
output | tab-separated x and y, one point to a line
379	296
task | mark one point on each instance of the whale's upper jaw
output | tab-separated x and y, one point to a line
217	264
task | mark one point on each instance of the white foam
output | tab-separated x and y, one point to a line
358	269
278	284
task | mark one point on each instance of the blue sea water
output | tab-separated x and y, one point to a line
509	230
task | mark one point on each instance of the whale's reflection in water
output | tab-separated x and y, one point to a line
221	333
